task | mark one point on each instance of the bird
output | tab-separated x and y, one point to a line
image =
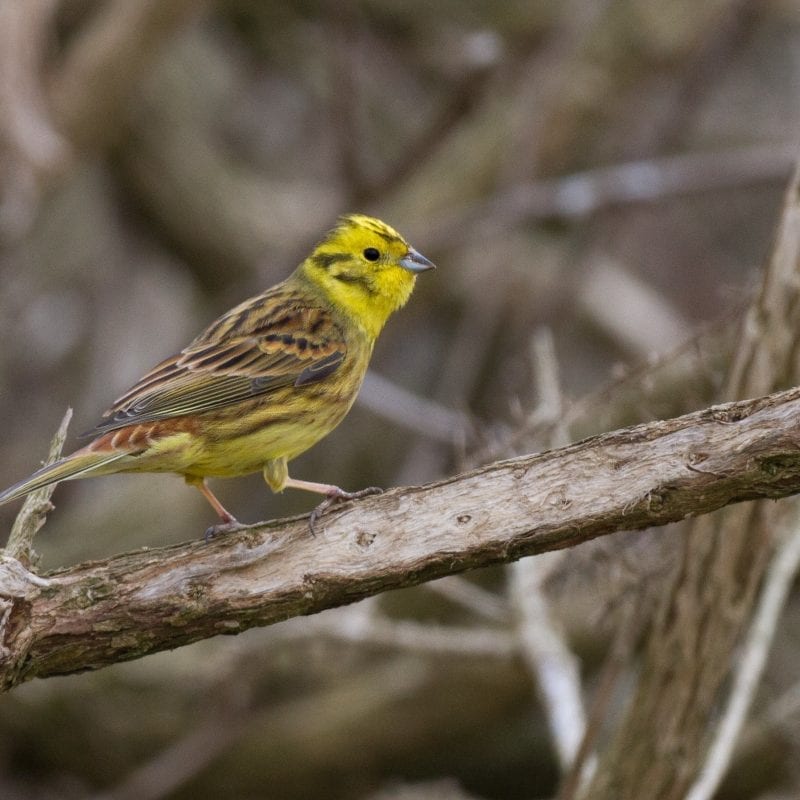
264	382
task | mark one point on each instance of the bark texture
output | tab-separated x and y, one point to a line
133	604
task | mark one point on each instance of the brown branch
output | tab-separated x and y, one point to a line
133	604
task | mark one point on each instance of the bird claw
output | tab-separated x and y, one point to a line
230	526
337	497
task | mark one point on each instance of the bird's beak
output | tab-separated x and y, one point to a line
416	262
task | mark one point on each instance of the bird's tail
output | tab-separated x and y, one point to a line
73	466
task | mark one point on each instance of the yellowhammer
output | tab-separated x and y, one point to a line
265	381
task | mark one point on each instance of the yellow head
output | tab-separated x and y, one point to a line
366	269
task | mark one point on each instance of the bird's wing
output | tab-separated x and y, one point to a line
298	346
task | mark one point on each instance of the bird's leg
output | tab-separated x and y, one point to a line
276	474
228	522
333	495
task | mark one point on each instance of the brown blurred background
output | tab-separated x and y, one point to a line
598	183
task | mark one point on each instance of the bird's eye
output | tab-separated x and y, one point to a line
372	254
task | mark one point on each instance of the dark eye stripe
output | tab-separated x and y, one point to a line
325	260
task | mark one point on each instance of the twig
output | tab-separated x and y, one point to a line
548	385
36	507
778	582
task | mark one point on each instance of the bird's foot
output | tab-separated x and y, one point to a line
335	496
225	527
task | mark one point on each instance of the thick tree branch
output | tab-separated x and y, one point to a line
133	604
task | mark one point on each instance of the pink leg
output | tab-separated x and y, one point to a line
228	521
309	486
334	495
222	512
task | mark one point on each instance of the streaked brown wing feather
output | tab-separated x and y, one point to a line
290	345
